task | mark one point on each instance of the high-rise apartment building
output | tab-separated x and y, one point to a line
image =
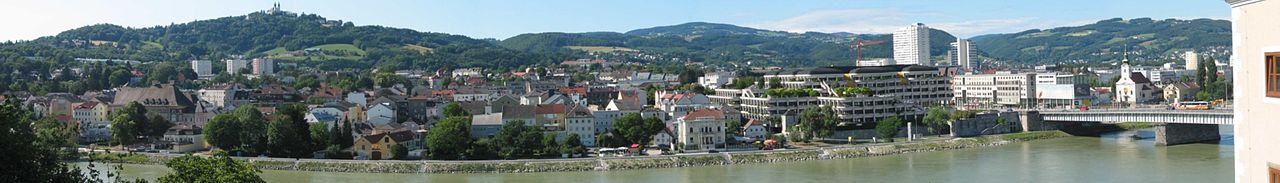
911	45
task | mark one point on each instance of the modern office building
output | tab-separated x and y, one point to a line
963	53
1021	90
911	45
1255	45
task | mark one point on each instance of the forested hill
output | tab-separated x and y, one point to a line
278	34
714	43
1105	40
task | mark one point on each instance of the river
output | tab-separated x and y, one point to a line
1114	157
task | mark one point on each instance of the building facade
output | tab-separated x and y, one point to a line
964	53
1255	37
911	45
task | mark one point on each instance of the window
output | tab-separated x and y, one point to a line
1274	175
1272	60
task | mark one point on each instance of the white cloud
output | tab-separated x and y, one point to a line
864	21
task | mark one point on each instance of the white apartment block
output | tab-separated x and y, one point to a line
234	66
1192	59
263	66
203	68
911	45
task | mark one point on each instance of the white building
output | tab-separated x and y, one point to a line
1255	47
965	53
219	95
203	68
234	66
580	121
715	79
380	113
876	62
1192	59
679	103
701	130
754	129
1133	88
358	98
911	45
988	91
263	66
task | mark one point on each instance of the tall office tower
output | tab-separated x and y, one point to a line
1193	60
911	45
965	52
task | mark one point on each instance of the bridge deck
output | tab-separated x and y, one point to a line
1216	116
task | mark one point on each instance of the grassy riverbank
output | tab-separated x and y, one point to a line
602	164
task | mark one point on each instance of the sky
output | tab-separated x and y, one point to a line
26	20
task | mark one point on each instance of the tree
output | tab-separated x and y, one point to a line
55	134
126	124
449	139
400	152
638	130
27	160
549	145
818	122
156	126
937	118
253	129
219	168
888	128
453	109
511	142
223	131
484	149
572	145
320	135
775	83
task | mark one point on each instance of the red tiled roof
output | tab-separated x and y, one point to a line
87	105
704	113
579	90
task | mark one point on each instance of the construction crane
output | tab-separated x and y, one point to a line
857	46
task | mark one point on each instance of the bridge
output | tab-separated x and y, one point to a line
1206	117
1172	127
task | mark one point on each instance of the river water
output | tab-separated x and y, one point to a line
1115	157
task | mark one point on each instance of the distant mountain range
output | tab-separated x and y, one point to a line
309	37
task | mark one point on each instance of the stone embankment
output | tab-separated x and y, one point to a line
609	163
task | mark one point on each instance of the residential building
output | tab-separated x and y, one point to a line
963	54
378	146
578	120
235	65
486	125
203	68
1192	60
1180	92
184	139
380	113
701	130
715	79
1255	45
911	45
754	129
992	91
678	103
219	95
264	66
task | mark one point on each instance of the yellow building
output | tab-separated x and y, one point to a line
1255	44
378	146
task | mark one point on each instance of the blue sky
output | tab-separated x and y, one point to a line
25	20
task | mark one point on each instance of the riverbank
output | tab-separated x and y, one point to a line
604	164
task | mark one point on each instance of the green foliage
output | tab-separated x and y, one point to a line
253	129
223	131
550	147
288	135
512	141
320	135
742	82
1152	38
25	159
937	118
851	91
453	109
400	152
817	122
126	124
449	139
791	92
572	145
887	128
215	169
55	134
637	130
